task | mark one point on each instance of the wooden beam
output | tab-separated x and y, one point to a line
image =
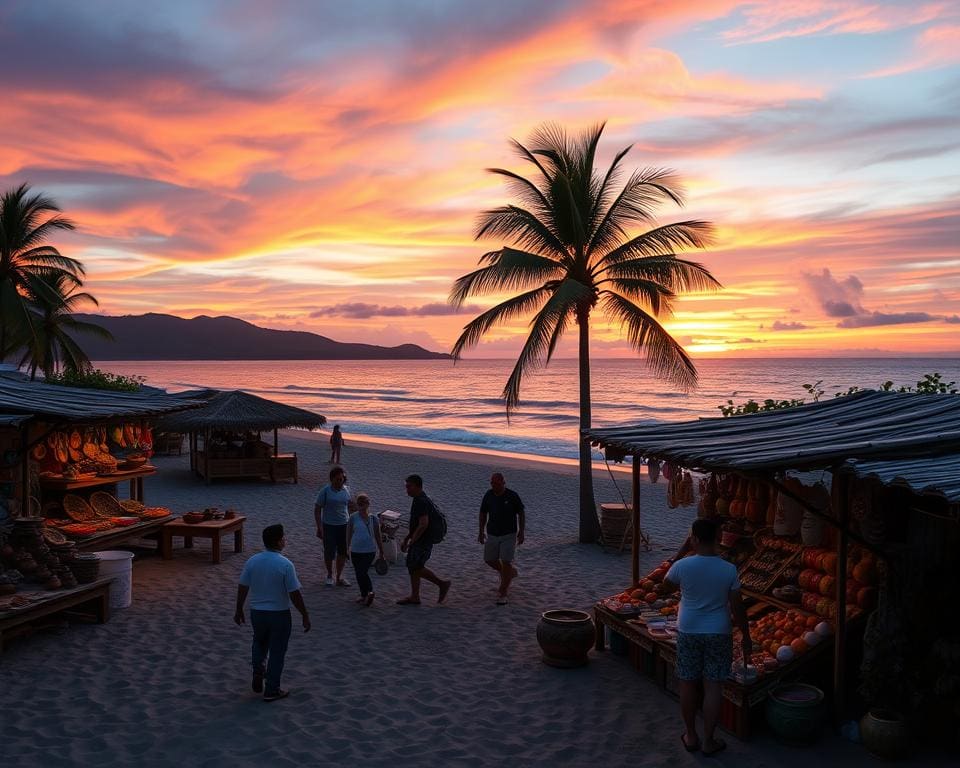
840	638
635	520
276	445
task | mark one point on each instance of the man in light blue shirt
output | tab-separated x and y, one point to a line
332	513
272	583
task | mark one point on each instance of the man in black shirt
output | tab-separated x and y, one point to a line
501	530
418	544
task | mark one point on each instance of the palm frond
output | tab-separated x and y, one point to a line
675	274
527	155
542	338
501	313
46	256
663	240
521	228
664	355
82	326
529	194
653	294
510	269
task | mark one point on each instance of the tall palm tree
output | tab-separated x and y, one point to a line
51	347
28	263
571	252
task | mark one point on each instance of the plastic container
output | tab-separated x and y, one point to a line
795	712
118	565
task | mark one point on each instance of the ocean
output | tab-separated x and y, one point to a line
439	402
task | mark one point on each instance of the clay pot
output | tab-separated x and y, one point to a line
795	712
884	733
565	637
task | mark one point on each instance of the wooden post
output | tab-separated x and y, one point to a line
276	445
206	455
635	520
840	638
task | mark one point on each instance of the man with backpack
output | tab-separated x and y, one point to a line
427	527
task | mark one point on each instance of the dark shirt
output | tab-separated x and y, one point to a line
502	511
419	507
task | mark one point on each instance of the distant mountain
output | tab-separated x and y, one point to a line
165	337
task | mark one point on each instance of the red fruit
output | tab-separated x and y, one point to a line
651	597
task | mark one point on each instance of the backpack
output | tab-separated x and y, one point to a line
437	529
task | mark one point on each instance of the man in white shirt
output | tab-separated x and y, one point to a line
709	591
271	580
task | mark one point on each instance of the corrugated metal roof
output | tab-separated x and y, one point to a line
939	476
905	439
865	425
76	404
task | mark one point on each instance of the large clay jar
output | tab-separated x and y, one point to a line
884	733
795	712
565	636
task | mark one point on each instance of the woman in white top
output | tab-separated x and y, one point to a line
363	533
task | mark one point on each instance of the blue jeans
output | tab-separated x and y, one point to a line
271	634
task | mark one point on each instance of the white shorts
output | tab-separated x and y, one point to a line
500	548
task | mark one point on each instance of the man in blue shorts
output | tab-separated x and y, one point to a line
709	591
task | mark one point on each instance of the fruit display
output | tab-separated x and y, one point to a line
784	635
644	596
68	456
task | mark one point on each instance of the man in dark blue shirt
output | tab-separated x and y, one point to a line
501	529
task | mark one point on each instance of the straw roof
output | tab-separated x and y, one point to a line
239	410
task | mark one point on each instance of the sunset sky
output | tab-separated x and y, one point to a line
320	165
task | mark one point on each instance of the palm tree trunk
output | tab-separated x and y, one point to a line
589	525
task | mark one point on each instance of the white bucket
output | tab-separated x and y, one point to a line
118	565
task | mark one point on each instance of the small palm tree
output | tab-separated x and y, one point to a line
28	264
571	252
51	347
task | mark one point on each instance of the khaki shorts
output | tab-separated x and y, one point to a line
500	548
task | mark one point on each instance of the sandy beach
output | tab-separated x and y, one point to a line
167	680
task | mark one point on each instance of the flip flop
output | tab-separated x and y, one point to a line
444	589
408	601
689	747
721	745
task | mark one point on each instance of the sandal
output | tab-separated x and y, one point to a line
276	696
686	745
720	745
408	601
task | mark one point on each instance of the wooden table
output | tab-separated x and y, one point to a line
208	529
121	535
95	596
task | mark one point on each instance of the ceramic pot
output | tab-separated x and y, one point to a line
884	733
794	712
565	637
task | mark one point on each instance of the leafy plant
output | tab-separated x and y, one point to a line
97	379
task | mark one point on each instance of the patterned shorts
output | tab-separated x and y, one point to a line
704	657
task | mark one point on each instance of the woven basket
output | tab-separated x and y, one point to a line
105	505
77	509
131	506
85	570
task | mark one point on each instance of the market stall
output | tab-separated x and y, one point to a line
68	452
225	435
815	504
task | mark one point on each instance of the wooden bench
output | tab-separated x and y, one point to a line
94	597
214	530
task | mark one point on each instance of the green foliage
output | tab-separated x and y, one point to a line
97	379
930	384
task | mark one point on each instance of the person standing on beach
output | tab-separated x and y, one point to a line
418	544
502	522
363	533
271	581
332	513
709	592
336	443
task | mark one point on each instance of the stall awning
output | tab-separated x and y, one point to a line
53	402
875	425
13	420
887	433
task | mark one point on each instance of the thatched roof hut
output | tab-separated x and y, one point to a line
240	411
